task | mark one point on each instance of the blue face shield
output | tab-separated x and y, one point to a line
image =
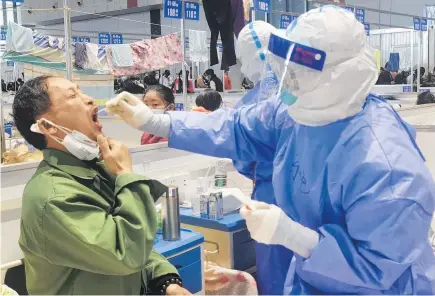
289	61
269	82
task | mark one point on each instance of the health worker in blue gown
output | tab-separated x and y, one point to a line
272	261
354	198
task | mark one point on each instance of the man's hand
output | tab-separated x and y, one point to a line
175	289
115	155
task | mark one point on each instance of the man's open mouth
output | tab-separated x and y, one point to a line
95	119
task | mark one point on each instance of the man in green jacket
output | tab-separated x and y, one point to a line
87	226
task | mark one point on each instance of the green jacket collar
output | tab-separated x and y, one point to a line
69	164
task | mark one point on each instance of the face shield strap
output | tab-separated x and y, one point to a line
299	54
256	40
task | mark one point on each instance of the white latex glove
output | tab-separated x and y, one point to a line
269	225
134	112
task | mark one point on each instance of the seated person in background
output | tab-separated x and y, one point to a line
152	78
166	78
210	100
160	99
202	82
215	82
428	80
87	226
425	98
401	78
178	84
385	77
131	85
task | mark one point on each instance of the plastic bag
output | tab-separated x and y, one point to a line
224	281
21	154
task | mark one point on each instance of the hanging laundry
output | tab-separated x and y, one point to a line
53	42
394	61
80	55
198	50
92	62
41	40
219	18
149	55
238	16
61	44
378	58
247	9
19	39
122	55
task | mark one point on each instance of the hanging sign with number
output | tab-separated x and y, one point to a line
173	9
191	11
360	15
367	29
423	25
3	33
263	5
103	38
286	20
417	24
117	39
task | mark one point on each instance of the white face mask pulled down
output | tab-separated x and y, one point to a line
75	142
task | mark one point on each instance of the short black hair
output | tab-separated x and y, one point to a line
210	99
164	92
31	101
209	72
425	98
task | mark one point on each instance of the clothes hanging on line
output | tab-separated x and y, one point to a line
220	22
394	61
79	55
56	43
20	38
238	16
49	51
377	54
91	59
247	4
198	46
149	55
122	55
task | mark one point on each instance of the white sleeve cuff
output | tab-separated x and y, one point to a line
159	125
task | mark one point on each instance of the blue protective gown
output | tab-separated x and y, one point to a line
360	182
272	261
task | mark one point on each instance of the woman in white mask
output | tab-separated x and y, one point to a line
159	99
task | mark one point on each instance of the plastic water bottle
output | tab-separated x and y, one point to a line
204	205
196	201
213	207
202	198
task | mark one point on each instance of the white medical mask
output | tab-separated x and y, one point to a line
75	142
158	111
